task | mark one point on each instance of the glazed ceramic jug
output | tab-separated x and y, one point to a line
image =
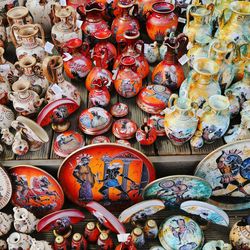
214	119
237	28
31	71
124	21
151	52
6	68
28	43
41	12
201	23
169	72
80	64
223	54
64	27
128	82
59	88
133	47
25	101
200	83
161	21
180	121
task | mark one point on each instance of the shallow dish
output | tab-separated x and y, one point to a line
5	188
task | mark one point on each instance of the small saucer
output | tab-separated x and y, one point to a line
123	142
100	139
157	122
124	128
119	110
5	188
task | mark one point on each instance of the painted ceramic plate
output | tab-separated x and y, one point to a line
5	188
206	211
56	111
67	142
100	139
105	217
119	109
227	169
141	211
35	190
180	232
108	173
124	128
123	142
173	190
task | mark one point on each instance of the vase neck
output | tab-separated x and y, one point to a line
171	56
94	16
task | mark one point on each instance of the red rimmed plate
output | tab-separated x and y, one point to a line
108	173
56	111
35	190
105	217
5	188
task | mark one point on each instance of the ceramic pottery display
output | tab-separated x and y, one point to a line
240	234
153	99
124	128
180	121
169	72
64	27
99	96
206	211
100	139
28	44
80	64
35	190
214	245
95	121
105	217
227	170
173	190
107	173
141	211
200	85
180	232
6	221
67	142
19	240
161	21
119	109
5	188
157	122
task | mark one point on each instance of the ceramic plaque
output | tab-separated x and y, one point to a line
173	190
5	188
105	173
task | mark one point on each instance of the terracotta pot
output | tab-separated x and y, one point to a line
161	21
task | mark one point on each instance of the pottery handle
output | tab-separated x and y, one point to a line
172	99
11	95
80	11
183	41
211	8
47	69
14	28
221	19
38	70
19	68
42	33
211	47
232	52
135	9
188	14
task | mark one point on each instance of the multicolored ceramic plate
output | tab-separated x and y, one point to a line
100	139
35	190
119	109
124	128
206	211
227	169
141	211
5	188
108	173
105	217
175	189
180	232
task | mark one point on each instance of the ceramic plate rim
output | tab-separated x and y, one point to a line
10	183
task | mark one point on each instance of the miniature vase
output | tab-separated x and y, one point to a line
180	121
151	52
20	146
5	223
161	21
59	88
19	241
170	72
128	82
29	44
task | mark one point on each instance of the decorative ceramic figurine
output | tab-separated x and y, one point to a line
40	245
24	221
217	244
19	241
20	146
59	88
180	121
151	52
169	72
105	242
240	234
65	27
138	237
91	232
5	223
124	128
28	44
25	101
80	64
78	242
3	245
31	71
161	21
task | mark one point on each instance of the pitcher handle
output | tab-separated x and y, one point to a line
188	14
211	8
47	71
19	68
42	33
221	19
183	42
11	96
14	27
38	70
232	47
171	100
210	48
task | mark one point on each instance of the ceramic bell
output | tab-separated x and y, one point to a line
40	245
151	52
20	146
19	241
5	223
24	221
217	244
3	245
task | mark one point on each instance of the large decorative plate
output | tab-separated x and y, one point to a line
105	173
175	189
35	190
5	188
206	211
227	169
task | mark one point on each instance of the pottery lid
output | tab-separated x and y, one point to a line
5	188
100	139
119	109
124	128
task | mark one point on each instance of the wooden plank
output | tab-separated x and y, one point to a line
207	148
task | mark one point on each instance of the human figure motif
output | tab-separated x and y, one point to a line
85	177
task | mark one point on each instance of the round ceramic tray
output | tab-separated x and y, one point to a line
5	188
227	169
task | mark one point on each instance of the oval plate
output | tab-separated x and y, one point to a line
5	188
35	190
105	173
227	169
175	189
